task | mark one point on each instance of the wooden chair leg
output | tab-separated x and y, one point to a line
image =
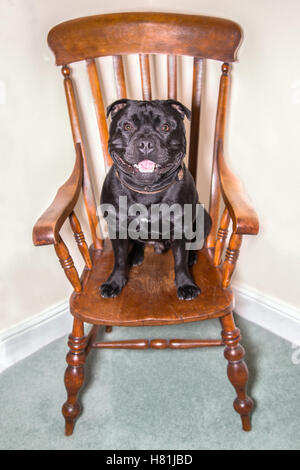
74	375
237	370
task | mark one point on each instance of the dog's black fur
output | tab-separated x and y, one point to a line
151	131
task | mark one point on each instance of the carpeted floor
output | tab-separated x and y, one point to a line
180	400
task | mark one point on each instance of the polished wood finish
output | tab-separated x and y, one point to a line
149	298
67	264
161	33
119	76
74	375
80	240
172	77
195	120
91	338
237	370
243	216
88	194
159	344
224	184
231	258
130	344
145	76
221	237
99	109
46	229
215	190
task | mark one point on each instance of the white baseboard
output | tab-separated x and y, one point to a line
277	317
26	337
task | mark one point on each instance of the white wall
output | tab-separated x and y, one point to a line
37	150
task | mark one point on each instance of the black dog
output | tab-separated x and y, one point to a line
147	144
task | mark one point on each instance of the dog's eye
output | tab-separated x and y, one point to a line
127	126
165	127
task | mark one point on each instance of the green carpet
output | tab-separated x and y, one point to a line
163	400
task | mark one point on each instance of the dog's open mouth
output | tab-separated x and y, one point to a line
146	166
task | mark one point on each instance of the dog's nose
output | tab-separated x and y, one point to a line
146	146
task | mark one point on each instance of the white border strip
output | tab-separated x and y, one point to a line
279	318
28	336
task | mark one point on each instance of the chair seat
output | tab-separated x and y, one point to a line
149	297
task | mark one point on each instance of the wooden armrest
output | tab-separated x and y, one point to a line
46	229
244	218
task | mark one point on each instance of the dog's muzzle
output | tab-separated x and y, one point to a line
146	165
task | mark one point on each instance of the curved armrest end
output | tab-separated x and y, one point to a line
43	234
46	230
247	224
243	215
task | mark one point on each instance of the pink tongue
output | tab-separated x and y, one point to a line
146	166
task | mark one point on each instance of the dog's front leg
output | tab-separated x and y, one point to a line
118	278
186	288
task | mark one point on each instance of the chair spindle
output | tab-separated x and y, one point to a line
215	190
231	258
145	76
158	344
88	194
67	264
221	236
99	109
172	77
80	240
119	76
195	120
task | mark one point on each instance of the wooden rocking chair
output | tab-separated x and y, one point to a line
149	298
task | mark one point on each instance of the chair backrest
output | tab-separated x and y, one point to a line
145	33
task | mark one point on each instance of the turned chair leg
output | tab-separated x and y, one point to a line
74	375
237	370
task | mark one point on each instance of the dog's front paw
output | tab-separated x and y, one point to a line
136	257
188	292
192	258
110	289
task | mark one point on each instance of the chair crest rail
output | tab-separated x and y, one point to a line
145	33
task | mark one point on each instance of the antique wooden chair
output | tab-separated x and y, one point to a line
149	298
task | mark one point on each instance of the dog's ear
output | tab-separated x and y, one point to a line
180	108
114	107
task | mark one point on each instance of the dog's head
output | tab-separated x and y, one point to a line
147	138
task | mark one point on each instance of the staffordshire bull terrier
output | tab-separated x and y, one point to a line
147	144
